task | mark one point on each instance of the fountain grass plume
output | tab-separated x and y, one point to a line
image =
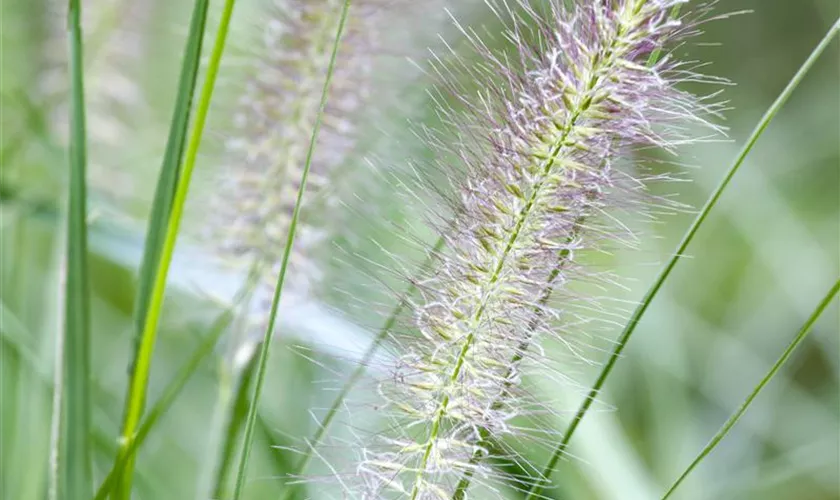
254	194
547	144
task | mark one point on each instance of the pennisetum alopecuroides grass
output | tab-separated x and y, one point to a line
543	161
542	155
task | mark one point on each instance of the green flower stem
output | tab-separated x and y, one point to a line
264	346
803	332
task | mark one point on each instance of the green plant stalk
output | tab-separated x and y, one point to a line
239	412
367	357
733	419
290	239
53	475
170	169
167	399
630	327
75	455
220	420
139	380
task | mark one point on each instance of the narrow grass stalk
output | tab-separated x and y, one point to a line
170	168
140	377
727	426
75	452
630	327
56	414
241	404
367	357
290	240
219	422
234	427
167	399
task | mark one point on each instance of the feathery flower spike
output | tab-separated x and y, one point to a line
542	152
252	201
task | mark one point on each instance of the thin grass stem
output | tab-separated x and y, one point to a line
56	414
367	357
630	327
219	422
290	239
733	419
156	231
234	427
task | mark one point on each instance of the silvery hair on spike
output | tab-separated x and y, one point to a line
247	212
548	141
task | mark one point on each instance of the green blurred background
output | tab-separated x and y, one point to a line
757	269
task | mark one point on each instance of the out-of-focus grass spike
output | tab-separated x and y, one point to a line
290	239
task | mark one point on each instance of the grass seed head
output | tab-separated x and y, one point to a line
544	143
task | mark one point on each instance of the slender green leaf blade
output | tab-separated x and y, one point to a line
75	451
170	169
148	337
161	209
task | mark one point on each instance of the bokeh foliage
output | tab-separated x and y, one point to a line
757	269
